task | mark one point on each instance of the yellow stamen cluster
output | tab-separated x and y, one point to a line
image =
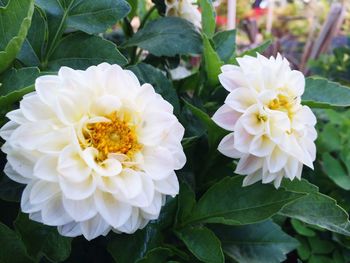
115	136
282	103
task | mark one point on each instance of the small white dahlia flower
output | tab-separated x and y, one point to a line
96	150
185	9
272	133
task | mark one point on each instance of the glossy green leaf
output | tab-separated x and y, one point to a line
258	243
225	44
80	50
208	17
320	246
212	62
316	208
156	255
227	202
15	84
186	202
215	133
42	240
325	94
203	243
301	228
89	16
34	46
335	171
149	74
12	250
161	37
15	19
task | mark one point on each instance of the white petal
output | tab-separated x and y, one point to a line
133	223
53	212
26	205
17	116
158	162
146	195
21	164
55	141
116	213
152	211
261	146
242	139
78	191
252	178
71	229
168	186
226	117
34	109
248	164
252	120
94	227
109	167
232	77
291	168
13	175
226	147
241	99
105	105
46	168
7	130
80	210
72	166
43	191
277	160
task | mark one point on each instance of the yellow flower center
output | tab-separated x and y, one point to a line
282	103
116	136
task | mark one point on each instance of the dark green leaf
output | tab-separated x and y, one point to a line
212	62
89	16
168	36
10	190
12	250
80	50
316	208
336	171
156	255
186	202
215	133
258	243
320	246
15	20
42	240
149	74
203	243
227	202
15	84
208	17
33	48
325	94
301	228
225	44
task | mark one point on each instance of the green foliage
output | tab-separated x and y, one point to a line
257	243
213	219
159	37
15	19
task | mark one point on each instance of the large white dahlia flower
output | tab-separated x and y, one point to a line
96	150
185	9
272	133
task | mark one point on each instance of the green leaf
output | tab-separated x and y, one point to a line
12	249
212	62
259	49
215	133
156	255
133	4
203	243
225	44
258	243
301	228
33	48
131	248
149	74
42	240
15	20
168	36
89	16
227	202
80	50
320	246
303	249
335	171
316	208
15	84
208	17
10	190
321	93
186	202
